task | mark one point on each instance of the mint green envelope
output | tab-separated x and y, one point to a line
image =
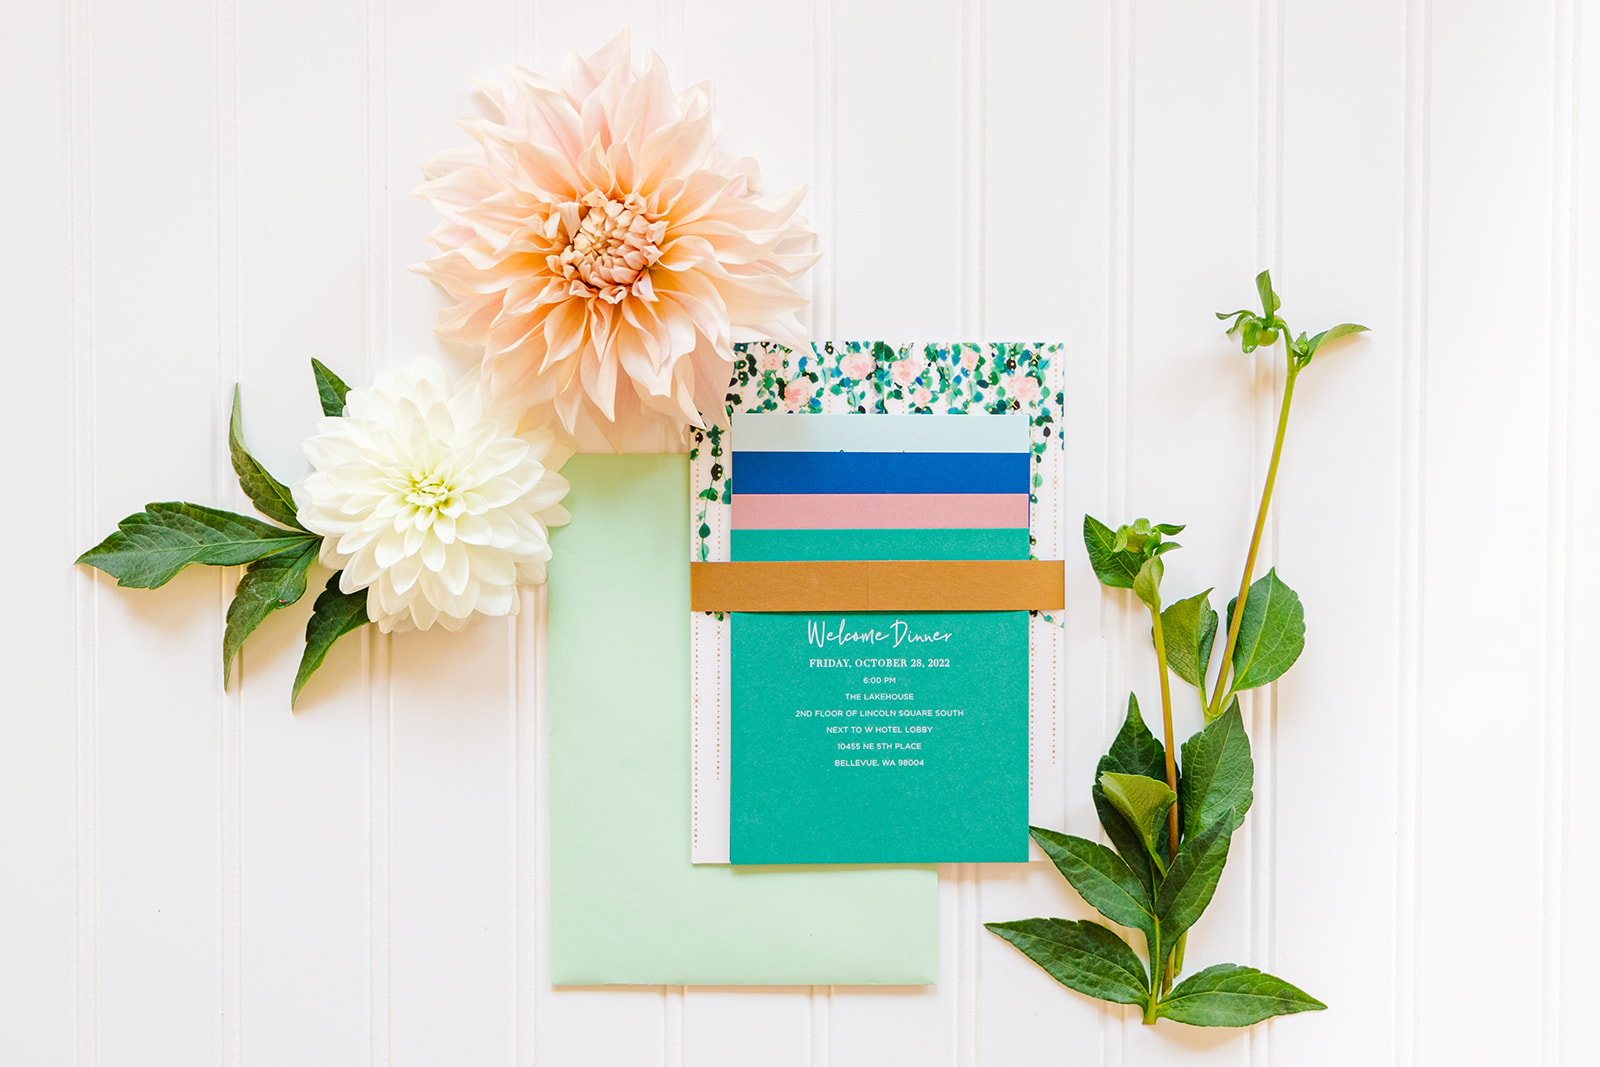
626	904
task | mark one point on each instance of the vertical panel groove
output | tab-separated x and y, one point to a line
1119	348
823	325
973	158
523	20
672	1028
674	1024
1410	601
379	647
230	705
970	320
525	680
824	176
1269	374
522	678
80	331
1563	361
535	834
970	325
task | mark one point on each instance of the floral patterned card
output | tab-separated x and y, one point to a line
874	378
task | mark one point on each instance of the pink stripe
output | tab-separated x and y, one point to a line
879	511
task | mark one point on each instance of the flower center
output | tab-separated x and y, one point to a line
616	241
429	493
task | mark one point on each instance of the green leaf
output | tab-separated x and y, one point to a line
1230	995
1143	801
1217	773
1271	634
270	496
1250	336
149	548
1269	299
1190	629
1147	585
1084	956
1191	881
269	584
1115	568
334	615
331	389
1344	329
1100	876
1133	751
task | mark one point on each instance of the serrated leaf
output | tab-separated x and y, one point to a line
1143	801
268	584
1191	879
1230	995
1113	568
1101	877
1083	955
1333	333
149	548
1189	628
1218	773
1133	751
335	614
331	389
1271	634
270	496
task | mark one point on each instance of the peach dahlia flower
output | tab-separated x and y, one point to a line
601	252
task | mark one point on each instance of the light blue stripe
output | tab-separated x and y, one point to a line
770	432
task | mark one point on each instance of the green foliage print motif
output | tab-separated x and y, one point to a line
873	377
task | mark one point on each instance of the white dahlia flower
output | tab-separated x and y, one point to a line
601	252
430	500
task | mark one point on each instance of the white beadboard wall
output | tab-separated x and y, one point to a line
210	191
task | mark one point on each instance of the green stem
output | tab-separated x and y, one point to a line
1157	965
1215	708
1166	721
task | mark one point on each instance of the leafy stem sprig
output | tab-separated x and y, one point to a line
1159	883
150	547
1262	331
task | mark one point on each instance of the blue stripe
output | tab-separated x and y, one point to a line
880	472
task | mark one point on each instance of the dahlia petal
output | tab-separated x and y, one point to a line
648	104
360	571
433	552
674	151
474	530
402	576
755	300
458	566
492	566
497	601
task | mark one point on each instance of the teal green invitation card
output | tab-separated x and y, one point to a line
879	738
